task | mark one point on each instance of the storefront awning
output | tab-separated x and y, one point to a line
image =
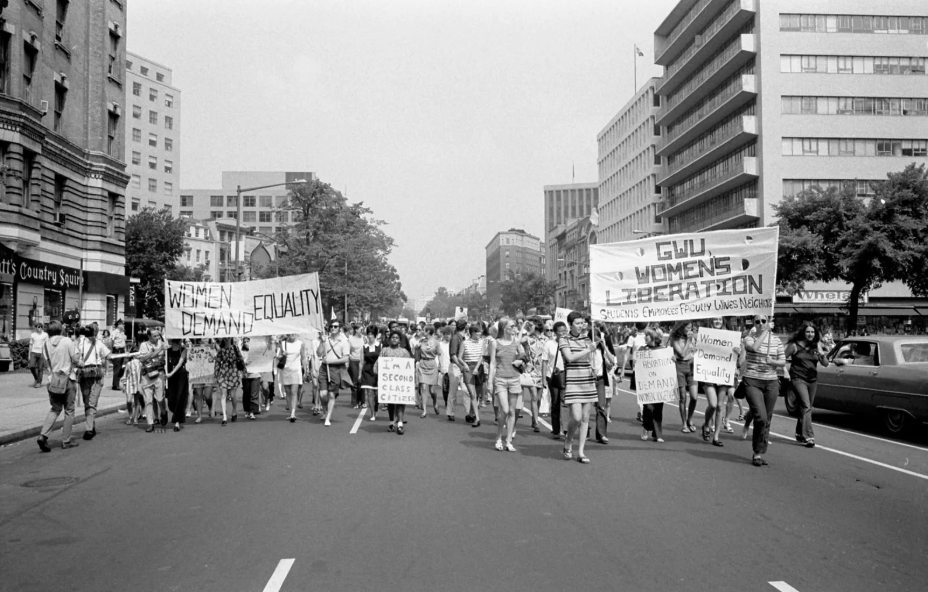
780	309
896	311
819	310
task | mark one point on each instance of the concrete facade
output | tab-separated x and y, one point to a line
629	168
152	135
63	181
511	254
573	280
564	204
758	100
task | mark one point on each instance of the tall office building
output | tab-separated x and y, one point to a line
629	168
760	100
152	135
564	204
62	175
510	255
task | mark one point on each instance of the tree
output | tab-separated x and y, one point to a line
154	243
184	273
329	234
832	234
529	291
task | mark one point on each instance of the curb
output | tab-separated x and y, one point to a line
21	435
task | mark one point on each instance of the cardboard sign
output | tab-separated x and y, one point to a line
275	306
260	355
685	276
655	375
560	314
201	361
714	360
460	313
396	381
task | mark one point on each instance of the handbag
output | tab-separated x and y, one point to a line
58	382
239	359
152	368
741	391
558	377
282	359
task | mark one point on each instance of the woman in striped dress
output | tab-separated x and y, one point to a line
577	350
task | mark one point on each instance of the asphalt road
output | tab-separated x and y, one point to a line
220	508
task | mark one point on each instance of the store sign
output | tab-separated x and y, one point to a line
826	297
21	269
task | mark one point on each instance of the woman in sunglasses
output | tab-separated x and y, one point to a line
764	354
806	352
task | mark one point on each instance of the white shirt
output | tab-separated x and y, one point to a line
38	342
91	356
549	354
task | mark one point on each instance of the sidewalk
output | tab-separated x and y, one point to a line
23	408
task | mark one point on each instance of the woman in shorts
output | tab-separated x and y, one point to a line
683	341
716	395
429	377
506	361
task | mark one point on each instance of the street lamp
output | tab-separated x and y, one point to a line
238	217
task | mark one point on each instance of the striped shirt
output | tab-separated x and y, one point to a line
756	365
473	351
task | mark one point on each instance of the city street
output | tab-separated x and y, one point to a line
269	505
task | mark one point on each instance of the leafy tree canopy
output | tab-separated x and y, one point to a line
529	291
154	243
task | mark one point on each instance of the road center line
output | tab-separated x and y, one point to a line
279	575
357	422
783	587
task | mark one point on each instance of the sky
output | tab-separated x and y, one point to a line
446	118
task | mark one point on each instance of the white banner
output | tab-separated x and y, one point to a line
396	381
715	361
685	276
560	314
275	306
655	376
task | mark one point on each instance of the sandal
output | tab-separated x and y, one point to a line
568	453
757	461
686	429
717	442
499	445
510	447
583	460
645	434
705	433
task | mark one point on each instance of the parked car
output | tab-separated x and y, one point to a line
881	376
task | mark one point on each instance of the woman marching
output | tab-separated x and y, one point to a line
506	360
176	373
290	371
369	355
806	351
653	413
716	395
473	359
764	354
228	376
683	341
427	353
577	351
395	349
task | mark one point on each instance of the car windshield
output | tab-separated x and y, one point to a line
914	352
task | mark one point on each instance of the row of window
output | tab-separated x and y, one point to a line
719	208
724	130
792	105
824	64
853	147
701	38
136	183
152	162
152	140
710	174
264	217
152	117
726	89
144	71
847	23
231	201
862	187
712	65
153	95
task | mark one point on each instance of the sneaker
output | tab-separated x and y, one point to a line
43	444
810	443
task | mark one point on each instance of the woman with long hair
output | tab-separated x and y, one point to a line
683	341
505	367
577	351
764	355
806	351
716	395
652	415
290	375
176	374
427	353
369	355
533	343
228	376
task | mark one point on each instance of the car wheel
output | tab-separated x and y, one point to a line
894	421
792	405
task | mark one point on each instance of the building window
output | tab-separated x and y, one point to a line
136	157
264	216
135	205
214	215
231	201
168	189
282	217
153	163
169	145
60	184
266	202
831	23
186	201
144	71
168	166
248	201
30	56
168	100
153	140
232	214
136	182
159	77
5	62
168	122
137	90
819	64
153	94
153	117
136	112
111	130
215	201
114	55
128	64
136	135
248	217
60	17
153	185
61	95
112	201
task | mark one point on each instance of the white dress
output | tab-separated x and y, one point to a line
292	372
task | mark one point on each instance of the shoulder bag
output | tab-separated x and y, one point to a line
282	359
558	376
58	382
94	372
152	368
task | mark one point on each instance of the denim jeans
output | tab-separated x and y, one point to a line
805	397
90	393
761	396
64	403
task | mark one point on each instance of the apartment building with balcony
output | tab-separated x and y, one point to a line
763	99
564	204
62	169
629	168
152	135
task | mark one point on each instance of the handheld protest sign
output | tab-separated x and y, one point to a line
396	381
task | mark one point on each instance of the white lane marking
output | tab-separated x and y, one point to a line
783	587
357	422
279	575
848	454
